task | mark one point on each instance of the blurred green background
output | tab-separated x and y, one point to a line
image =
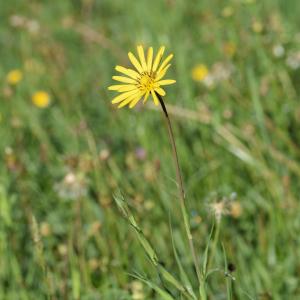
65	150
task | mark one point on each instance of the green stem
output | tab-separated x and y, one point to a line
203	295
180	187
214	245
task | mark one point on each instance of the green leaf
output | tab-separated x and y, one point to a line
165	295
205	258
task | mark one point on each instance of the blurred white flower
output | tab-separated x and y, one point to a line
219	209
17	21
137	290
73	186
293	60
209	81
278	50
33	26
224	207
220	71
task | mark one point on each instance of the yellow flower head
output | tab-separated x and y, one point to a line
257	27
227	11
14	77
146	79
199	72
41	99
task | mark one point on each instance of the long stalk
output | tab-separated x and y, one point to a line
215	243
180	187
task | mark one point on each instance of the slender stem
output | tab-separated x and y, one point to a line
214	245
180	187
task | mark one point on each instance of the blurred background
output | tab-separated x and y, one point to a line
65	150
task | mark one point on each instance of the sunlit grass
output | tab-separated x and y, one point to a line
61	234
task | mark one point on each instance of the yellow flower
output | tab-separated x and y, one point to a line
227	11
146	79
41	99
236	209
199	72
257	27
14	77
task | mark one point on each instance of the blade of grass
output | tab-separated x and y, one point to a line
183	275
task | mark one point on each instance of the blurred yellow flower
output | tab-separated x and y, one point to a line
137	290
236	209
145	80
199	72
257	27
41	99
14	76
227	11
45	229
229	49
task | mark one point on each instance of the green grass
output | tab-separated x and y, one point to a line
240	137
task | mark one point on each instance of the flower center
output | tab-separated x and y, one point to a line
146	81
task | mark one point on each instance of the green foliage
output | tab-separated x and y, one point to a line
62	235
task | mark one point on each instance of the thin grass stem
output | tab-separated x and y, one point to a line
180	187
215	244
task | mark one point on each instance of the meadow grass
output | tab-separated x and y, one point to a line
62	235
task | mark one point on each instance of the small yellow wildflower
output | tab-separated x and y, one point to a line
199	72
227	11
62	249
145	80
257	27
14	77
236	209
41	99
45	229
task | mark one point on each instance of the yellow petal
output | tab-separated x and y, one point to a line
122	87
123	96
158	58
131	98
123	79
134	102
160	91
142	57
166	82
127	88
155	99
114	87
131	73
146	96
149	59
165	62
135	62
125	102
162	73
